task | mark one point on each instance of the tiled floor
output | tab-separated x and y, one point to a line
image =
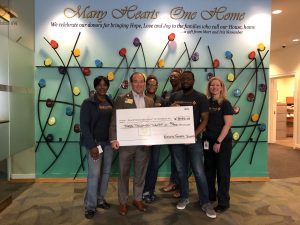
252	203
285	141
276	202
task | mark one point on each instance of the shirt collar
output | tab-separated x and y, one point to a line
137	95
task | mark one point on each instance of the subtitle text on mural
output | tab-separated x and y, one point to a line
218	29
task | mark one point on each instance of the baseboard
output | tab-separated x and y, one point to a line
15	176
249	179
114	179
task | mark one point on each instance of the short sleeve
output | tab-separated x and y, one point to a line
204	104
227	108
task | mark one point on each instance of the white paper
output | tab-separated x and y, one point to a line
99	149
155	126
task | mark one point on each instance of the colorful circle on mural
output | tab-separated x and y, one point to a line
228	55
136	42
69	111
171	37
122	52
262	127
76	91
110	76
98	63
262	87
216	63
251	55
237	93
210	75
48	62
42	83
235	136
49	103
49	138
51	121
62	70
161	63
76	52
230	77
236	109
124	84
261	47
251	97
76	128
54	44
255	117
195	56
86	71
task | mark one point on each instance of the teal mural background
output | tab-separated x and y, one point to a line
63	156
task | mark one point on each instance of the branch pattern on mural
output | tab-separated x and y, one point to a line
246	85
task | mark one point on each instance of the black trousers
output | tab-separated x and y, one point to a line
217	167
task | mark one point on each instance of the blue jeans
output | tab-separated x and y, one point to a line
152	170
192	153
98	176
173	175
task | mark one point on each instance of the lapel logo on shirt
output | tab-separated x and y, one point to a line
129	100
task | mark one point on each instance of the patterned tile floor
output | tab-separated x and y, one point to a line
276	202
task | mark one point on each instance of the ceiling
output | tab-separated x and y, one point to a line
285	26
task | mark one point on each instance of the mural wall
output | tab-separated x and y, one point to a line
79	40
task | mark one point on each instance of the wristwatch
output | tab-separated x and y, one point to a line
218	142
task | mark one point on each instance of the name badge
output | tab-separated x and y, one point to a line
129	100
206	145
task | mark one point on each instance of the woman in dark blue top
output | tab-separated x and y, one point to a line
95	116
218	143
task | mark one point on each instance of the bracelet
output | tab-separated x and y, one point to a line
217	142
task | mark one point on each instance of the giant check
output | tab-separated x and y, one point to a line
155	126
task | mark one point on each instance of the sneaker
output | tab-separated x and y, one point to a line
149	198
103	205
209	210
182	203
89	214
221	208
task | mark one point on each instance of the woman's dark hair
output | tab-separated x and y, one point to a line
98	79
150	77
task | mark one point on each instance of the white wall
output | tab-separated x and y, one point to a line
286	62
285	88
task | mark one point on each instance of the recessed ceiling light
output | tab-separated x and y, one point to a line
296	39
277	11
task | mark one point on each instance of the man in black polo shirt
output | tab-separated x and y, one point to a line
193	153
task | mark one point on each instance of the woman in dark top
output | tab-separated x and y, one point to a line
95	116
217	141
153	165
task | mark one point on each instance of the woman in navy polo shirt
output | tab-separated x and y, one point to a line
217	141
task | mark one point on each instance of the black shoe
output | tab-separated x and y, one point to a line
149	198
89	214
103	205
221	208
